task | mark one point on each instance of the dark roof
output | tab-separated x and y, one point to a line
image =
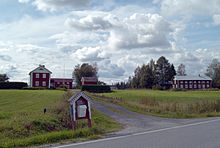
90	79
192	78
39	68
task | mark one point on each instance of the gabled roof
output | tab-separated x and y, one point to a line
77	95
41	68
89	79
192	78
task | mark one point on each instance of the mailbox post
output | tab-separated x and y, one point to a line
80	108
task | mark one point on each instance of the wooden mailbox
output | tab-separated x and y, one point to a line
80	108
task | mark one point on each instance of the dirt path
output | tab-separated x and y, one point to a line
134	122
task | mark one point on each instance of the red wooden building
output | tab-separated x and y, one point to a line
89	80
57	82
191	82
40	77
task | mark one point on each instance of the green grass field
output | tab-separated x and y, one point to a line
23	123
168	103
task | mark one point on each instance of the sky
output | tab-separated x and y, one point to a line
118	35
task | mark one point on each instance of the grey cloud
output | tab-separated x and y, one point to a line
5	58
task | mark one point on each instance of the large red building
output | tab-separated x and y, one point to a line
57	82
41	77
89	80
191	82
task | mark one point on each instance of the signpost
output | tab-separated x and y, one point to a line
80	108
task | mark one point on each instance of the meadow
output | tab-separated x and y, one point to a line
172	104
23	122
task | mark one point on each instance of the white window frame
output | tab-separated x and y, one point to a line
37	75
190	86
44	83
36	83
181	86
44	75
186	86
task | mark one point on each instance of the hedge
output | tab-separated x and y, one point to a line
96	88
12	85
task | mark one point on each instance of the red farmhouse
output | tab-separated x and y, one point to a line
190	82
40	77
57	82
89	80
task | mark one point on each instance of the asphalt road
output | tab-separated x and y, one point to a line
204	134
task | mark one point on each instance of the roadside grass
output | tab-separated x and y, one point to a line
171	104
23	123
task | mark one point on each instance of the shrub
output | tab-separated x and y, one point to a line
12	85
34	88
178	89
157	87
96	88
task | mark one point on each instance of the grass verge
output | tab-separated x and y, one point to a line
170	104
23	123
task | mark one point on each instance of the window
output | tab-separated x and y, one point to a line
199	86
44	83
195	86
203	82
207	85
36	83
37	75
199	82
44	75
181	81
181	86
190	86
58	82
67	83
203	86
186	86
186	81
190	81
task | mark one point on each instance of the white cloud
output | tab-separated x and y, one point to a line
54	5
136	31
23	1
89	54
189	7
216	19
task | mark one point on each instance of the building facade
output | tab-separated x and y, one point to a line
89	80
40	77
191	82
57	82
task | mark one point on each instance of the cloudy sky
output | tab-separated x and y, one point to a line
118	35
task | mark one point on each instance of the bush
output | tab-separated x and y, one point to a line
34	88
12	85
158	87
178	89
96	88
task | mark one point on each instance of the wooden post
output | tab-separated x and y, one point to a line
89	123
72	118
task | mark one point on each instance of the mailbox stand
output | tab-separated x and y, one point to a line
80	108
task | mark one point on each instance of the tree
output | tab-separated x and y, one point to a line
84	70
147	77
3	78
213	71
181	71
164	71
